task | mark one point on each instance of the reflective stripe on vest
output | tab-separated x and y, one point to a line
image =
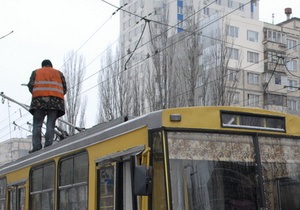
48	83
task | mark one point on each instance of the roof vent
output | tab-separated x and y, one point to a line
288	12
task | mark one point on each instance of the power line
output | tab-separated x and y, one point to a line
121	9
180	39
6	35
124	56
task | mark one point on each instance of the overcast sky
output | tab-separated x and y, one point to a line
50	30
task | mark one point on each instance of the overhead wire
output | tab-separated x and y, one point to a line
105	22
163	49
82	45
184	37
164	31
200	29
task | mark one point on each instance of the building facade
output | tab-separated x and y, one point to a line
281	67
236	59
12	149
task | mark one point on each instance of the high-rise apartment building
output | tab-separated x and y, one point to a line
258	62
174	13
281	65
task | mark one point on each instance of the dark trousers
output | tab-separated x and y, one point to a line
38	118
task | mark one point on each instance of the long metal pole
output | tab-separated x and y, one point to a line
27	108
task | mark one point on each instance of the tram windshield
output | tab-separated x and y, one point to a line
219	172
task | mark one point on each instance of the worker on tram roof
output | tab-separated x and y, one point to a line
48	87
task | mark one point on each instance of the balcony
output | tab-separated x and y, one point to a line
270	67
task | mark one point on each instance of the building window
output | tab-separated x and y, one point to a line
292	85
232	75
291	65
276	36
292	105
241	6
180	17
277	100
200	81
180	7
230	3
252	57
291	44
252	36
277	79
233	53
206	11
232	31
180	3
253	100
234	97
253	79
180	10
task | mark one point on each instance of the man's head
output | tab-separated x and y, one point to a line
46	63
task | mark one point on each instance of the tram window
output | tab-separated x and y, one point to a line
2	193
106	177
229	119
252	121
73	179
212	171
80	169
42	187
281	171
66	171
114	186
289	190
275	123
12	199
36	179
16	198
21	198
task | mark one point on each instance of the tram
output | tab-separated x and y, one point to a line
193	158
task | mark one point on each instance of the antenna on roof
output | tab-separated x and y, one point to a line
273	18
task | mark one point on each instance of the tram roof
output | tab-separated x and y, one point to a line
87	138
123	125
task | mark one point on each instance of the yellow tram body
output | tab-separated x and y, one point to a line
181	158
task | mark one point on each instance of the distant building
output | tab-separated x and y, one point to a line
14	148
281	67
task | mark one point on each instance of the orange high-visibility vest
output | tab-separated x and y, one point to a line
48	83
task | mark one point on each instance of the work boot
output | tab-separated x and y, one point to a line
34	150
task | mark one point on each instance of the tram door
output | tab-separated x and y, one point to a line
114	190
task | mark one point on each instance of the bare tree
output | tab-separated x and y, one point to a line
159	74
113	88
177	73
106	88
184	61
222	62
173	79
150	91
192	49
74	70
